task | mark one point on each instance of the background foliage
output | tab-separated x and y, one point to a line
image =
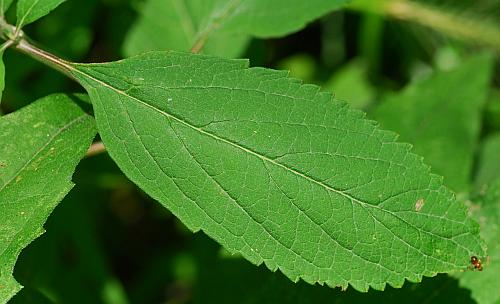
107	242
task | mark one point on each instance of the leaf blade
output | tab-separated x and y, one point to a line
220	27
29	11
203	136
42	145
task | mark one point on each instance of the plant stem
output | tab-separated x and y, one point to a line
214	24
199	44
24	46
95	149
15	37
464	26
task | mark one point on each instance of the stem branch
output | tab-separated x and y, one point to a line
95	149
24	46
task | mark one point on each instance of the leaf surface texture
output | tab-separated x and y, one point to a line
277	170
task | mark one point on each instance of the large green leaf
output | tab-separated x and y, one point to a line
277	170
441	116
485	285
223	26
41	146
29	11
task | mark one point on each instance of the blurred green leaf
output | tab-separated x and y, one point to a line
301	66
350	84
41	146
485	285
492	116
219	27
29	11
441	117
4	6
489	161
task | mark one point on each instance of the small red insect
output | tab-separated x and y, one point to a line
476	263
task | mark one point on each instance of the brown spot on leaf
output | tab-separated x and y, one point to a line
419	204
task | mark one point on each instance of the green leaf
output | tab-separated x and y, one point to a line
29	11
277	171
4	6
41	146
441	117
220	27
489	161
484	285
300	66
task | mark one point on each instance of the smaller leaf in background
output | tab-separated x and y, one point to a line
447	58
485	285
29	11
350	84
41	146
489	161
4	6
173	25
219	27
441	117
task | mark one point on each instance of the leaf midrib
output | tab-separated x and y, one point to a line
27	13
215	20
265	158
247	150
